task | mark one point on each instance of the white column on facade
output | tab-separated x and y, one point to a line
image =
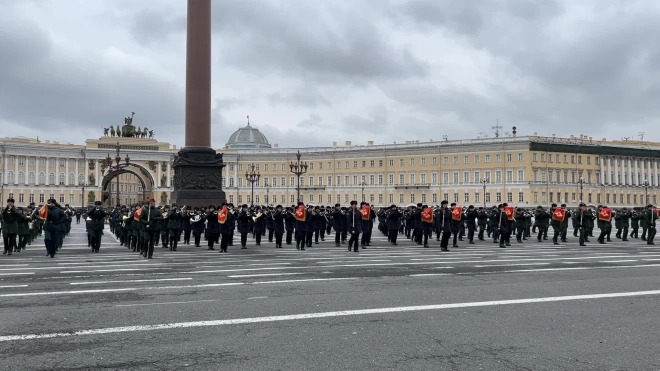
630	172
15	170
96	172
76	181
623	171
655	174
609	171
57	171
36	170
602	172
160	175
648	172
169	172
27	170
66	172
47	171
86	172
616	172
636	171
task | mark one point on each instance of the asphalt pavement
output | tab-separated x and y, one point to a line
532	306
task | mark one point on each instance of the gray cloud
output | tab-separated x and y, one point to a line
312	72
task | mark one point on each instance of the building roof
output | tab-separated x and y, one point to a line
247	137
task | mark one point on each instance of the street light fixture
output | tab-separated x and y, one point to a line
118	166
82	202
363	184
484	181
581	188
267	190
298	168
252	176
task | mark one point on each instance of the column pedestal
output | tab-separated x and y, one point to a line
198	177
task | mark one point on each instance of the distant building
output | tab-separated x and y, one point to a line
525	171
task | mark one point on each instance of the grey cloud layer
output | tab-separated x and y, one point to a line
333	72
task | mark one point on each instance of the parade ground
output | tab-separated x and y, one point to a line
532	306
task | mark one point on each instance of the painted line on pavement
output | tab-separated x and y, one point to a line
262	275
146	280
12	286
101	291
309	316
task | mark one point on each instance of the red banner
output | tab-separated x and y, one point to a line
138	214
301	214
222	215
456	213
43	212
427	215
605	214
365	211
559	215
509	211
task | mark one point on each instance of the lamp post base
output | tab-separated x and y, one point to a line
198	177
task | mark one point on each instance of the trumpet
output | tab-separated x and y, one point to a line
191	213
196	218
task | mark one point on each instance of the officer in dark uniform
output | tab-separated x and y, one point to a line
96	225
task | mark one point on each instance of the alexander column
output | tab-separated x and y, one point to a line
197	167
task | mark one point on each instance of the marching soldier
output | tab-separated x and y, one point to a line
278	226
150	218
96	225
354	222
651	216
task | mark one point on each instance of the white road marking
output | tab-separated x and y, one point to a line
117	270
12	286
309	316
146	280
508	265
101	291
618	261
16	273
262	275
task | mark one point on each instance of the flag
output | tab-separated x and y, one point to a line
365	211
138	214
457	213
559	215
43	212
222	215
427	215
509	213
301	214
605	214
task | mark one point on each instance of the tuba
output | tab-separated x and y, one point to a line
196	218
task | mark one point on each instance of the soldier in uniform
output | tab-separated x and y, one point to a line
634	223
259	226
354	222
651	217
150	220
97	216
393	221
579	219
445	225
338	223
9	226
278	226
470	217
301	226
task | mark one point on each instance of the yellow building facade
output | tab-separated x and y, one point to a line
524	171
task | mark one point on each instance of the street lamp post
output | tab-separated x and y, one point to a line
267	191
363	184
118	166
646	191
484	182
82	202
298	168
252	176
581	189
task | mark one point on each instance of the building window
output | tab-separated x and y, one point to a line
401	164
371	163
434	161
31	178
521	197
498	197
61	180
401	198
380	163
422	178
41	198
434	178
456	198
390	179
477	177
520	157
445	160
402	178
487	159
509	176
477	197
455	160
487	196
10	177
466	177
466	159
498	177
423	161
21	177
391	198
498	158
380	199
21	198
423	197
466	198
509	157
364	163
61	198
535	157
72	199
380	179
412	162
445	197
455	177
391	163
476	159
509	197
521	175
435	198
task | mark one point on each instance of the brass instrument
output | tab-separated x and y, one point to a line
254	218
196	218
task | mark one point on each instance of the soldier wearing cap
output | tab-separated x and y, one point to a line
580	223
96	225
651	216
338	223
9	226
354	221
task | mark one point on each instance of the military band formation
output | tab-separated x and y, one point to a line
140	228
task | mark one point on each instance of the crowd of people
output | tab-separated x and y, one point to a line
142	227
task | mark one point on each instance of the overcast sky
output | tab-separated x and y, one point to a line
310	72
